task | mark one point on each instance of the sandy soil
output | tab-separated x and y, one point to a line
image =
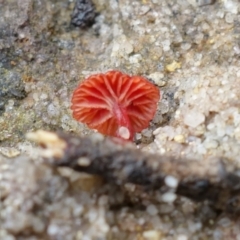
190	49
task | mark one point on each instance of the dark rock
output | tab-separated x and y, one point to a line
11	86
83	14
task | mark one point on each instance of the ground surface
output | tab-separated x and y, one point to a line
189	49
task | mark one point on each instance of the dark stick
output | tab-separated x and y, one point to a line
212	180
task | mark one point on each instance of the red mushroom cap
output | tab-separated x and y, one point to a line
115	104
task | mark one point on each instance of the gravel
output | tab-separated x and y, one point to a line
190	49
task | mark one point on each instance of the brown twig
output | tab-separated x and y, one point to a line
121	163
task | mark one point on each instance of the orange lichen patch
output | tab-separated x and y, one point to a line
115	104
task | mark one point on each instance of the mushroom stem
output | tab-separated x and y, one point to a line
125	130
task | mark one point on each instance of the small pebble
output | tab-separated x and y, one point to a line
152	210
169	197
185	46
9	152
173	66
229	18
52	229
157	78
103	200
147	133
231	6
208	143
171	181
225	222
193	118
134	59
182	237
52	110
152	235
83	161
179	138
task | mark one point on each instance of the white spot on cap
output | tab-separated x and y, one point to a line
124	132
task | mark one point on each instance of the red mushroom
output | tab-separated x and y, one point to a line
115	104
